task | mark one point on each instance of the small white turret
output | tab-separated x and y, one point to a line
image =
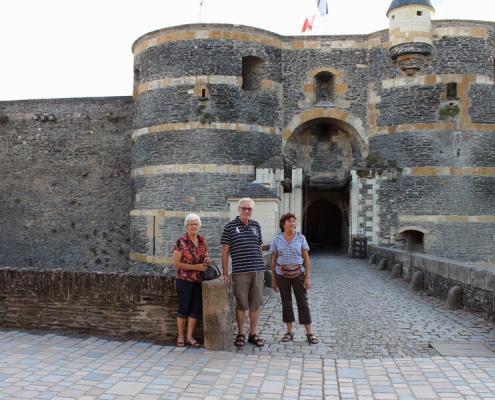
410	33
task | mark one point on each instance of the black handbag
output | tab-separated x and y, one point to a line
212	272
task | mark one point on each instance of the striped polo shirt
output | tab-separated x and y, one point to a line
244	245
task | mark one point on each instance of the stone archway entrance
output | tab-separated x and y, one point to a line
325	149
324	224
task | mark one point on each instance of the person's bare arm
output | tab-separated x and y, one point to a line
307	267
225	262
177	256
274	276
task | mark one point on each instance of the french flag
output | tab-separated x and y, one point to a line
308	24
322	7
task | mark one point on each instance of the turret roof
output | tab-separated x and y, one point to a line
399	3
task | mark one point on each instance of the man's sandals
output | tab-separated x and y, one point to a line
240	340
256	340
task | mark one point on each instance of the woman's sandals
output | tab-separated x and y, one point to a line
193	342
312	338
288	336
182	342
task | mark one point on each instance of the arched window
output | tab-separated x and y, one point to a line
253	72
324	87
414	240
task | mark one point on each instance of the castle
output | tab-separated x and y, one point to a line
388	136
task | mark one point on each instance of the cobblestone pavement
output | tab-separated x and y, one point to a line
373	331
360	312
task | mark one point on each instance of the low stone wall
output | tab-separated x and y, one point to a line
441	275
115	304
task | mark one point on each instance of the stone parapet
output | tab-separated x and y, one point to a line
441	274
116	304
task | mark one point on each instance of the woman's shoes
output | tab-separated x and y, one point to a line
311	338
193	342
181	342
288	336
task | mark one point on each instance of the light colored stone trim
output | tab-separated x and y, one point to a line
479	33
399	36
431	80
291	43
429	127
179	214
449	171
217	34
167	169
189	126
454	219
143	258
413	228
201	80
258	38
335	113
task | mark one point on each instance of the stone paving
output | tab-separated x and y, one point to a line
374	345
359	312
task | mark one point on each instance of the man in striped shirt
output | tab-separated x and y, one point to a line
241	239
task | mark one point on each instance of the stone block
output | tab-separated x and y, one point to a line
478	278
418	281
490	281
454	298
396	271
217	315
372	259
459	273
437	267
382	265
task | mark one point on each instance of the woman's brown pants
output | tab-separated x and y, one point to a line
297	285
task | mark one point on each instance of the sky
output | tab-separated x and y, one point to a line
82	48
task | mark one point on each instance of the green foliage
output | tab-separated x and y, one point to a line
374	161
4	118
205	118
449	111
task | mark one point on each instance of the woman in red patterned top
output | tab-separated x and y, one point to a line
190	257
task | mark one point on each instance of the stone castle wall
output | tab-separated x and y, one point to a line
65	183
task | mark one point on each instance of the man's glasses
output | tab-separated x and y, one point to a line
246	209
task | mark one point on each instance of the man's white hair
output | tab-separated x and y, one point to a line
245	200
192	217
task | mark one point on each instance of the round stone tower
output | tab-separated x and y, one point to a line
207	113
410	33
435	126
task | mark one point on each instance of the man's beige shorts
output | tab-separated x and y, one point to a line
248	290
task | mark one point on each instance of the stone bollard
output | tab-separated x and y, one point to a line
382	265
454	298
418	281
268	278
372	259
396	271
217	315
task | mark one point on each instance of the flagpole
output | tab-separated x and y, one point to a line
201	2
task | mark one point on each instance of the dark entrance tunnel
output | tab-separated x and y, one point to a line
323	224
